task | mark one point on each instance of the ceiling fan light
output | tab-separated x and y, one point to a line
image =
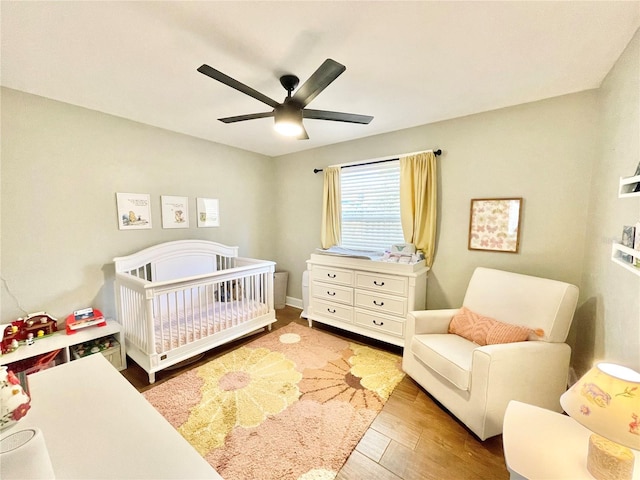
288	128
288	121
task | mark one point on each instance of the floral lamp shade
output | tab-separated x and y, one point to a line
14	402
606	400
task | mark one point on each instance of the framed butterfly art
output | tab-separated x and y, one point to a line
494	224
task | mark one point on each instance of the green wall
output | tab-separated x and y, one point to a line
61	168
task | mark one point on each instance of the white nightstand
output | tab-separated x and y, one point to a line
541	444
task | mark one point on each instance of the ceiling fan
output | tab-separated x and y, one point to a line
289	114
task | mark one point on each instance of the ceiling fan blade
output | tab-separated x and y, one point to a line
336	116
233	83
304	135
321	78
242	118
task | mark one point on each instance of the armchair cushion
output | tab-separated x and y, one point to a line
486	330
448	355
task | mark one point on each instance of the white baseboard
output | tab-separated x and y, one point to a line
294	302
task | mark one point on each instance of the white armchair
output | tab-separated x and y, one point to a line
475	383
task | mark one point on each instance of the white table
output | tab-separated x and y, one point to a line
543	445
97	425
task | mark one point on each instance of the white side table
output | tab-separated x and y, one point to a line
543	445
97	426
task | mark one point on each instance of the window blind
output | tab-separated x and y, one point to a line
371	206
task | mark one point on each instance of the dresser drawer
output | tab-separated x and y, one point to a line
382	283
336	311
333	275
381	303
333	293
379	323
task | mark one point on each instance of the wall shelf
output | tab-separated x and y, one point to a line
626	185
617	249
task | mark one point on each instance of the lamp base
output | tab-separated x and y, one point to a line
608	460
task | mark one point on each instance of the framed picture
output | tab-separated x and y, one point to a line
628	240
636	243
208	212
175	211
494	224
637	187
134	211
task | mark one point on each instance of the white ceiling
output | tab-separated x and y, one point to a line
408	63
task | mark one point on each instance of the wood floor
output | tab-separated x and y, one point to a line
413	437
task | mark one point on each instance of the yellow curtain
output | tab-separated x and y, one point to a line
331	231
418	202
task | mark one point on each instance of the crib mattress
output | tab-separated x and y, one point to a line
180	327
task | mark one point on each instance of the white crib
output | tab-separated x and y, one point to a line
178	299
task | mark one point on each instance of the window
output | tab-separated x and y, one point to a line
371	206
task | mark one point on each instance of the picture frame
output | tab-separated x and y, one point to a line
134	211
628	240
175	211
494	224
208	211
637	187
636	243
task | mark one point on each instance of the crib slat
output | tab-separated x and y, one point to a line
169	318
181	317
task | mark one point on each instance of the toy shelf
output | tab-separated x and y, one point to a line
627	185
617	249
63	342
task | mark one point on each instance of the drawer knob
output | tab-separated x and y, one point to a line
331	275
378	324
331	294
331	310
378	304
378	284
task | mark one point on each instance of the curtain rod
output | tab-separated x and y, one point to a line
437	153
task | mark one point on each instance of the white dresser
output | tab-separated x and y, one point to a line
367	297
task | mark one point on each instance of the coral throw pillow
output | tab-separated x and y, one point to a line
471	325
486	330
506	333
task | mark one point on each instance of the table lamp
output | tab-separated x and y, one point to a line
606	400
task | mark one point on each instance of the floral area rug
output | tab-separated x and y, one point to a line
292	404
